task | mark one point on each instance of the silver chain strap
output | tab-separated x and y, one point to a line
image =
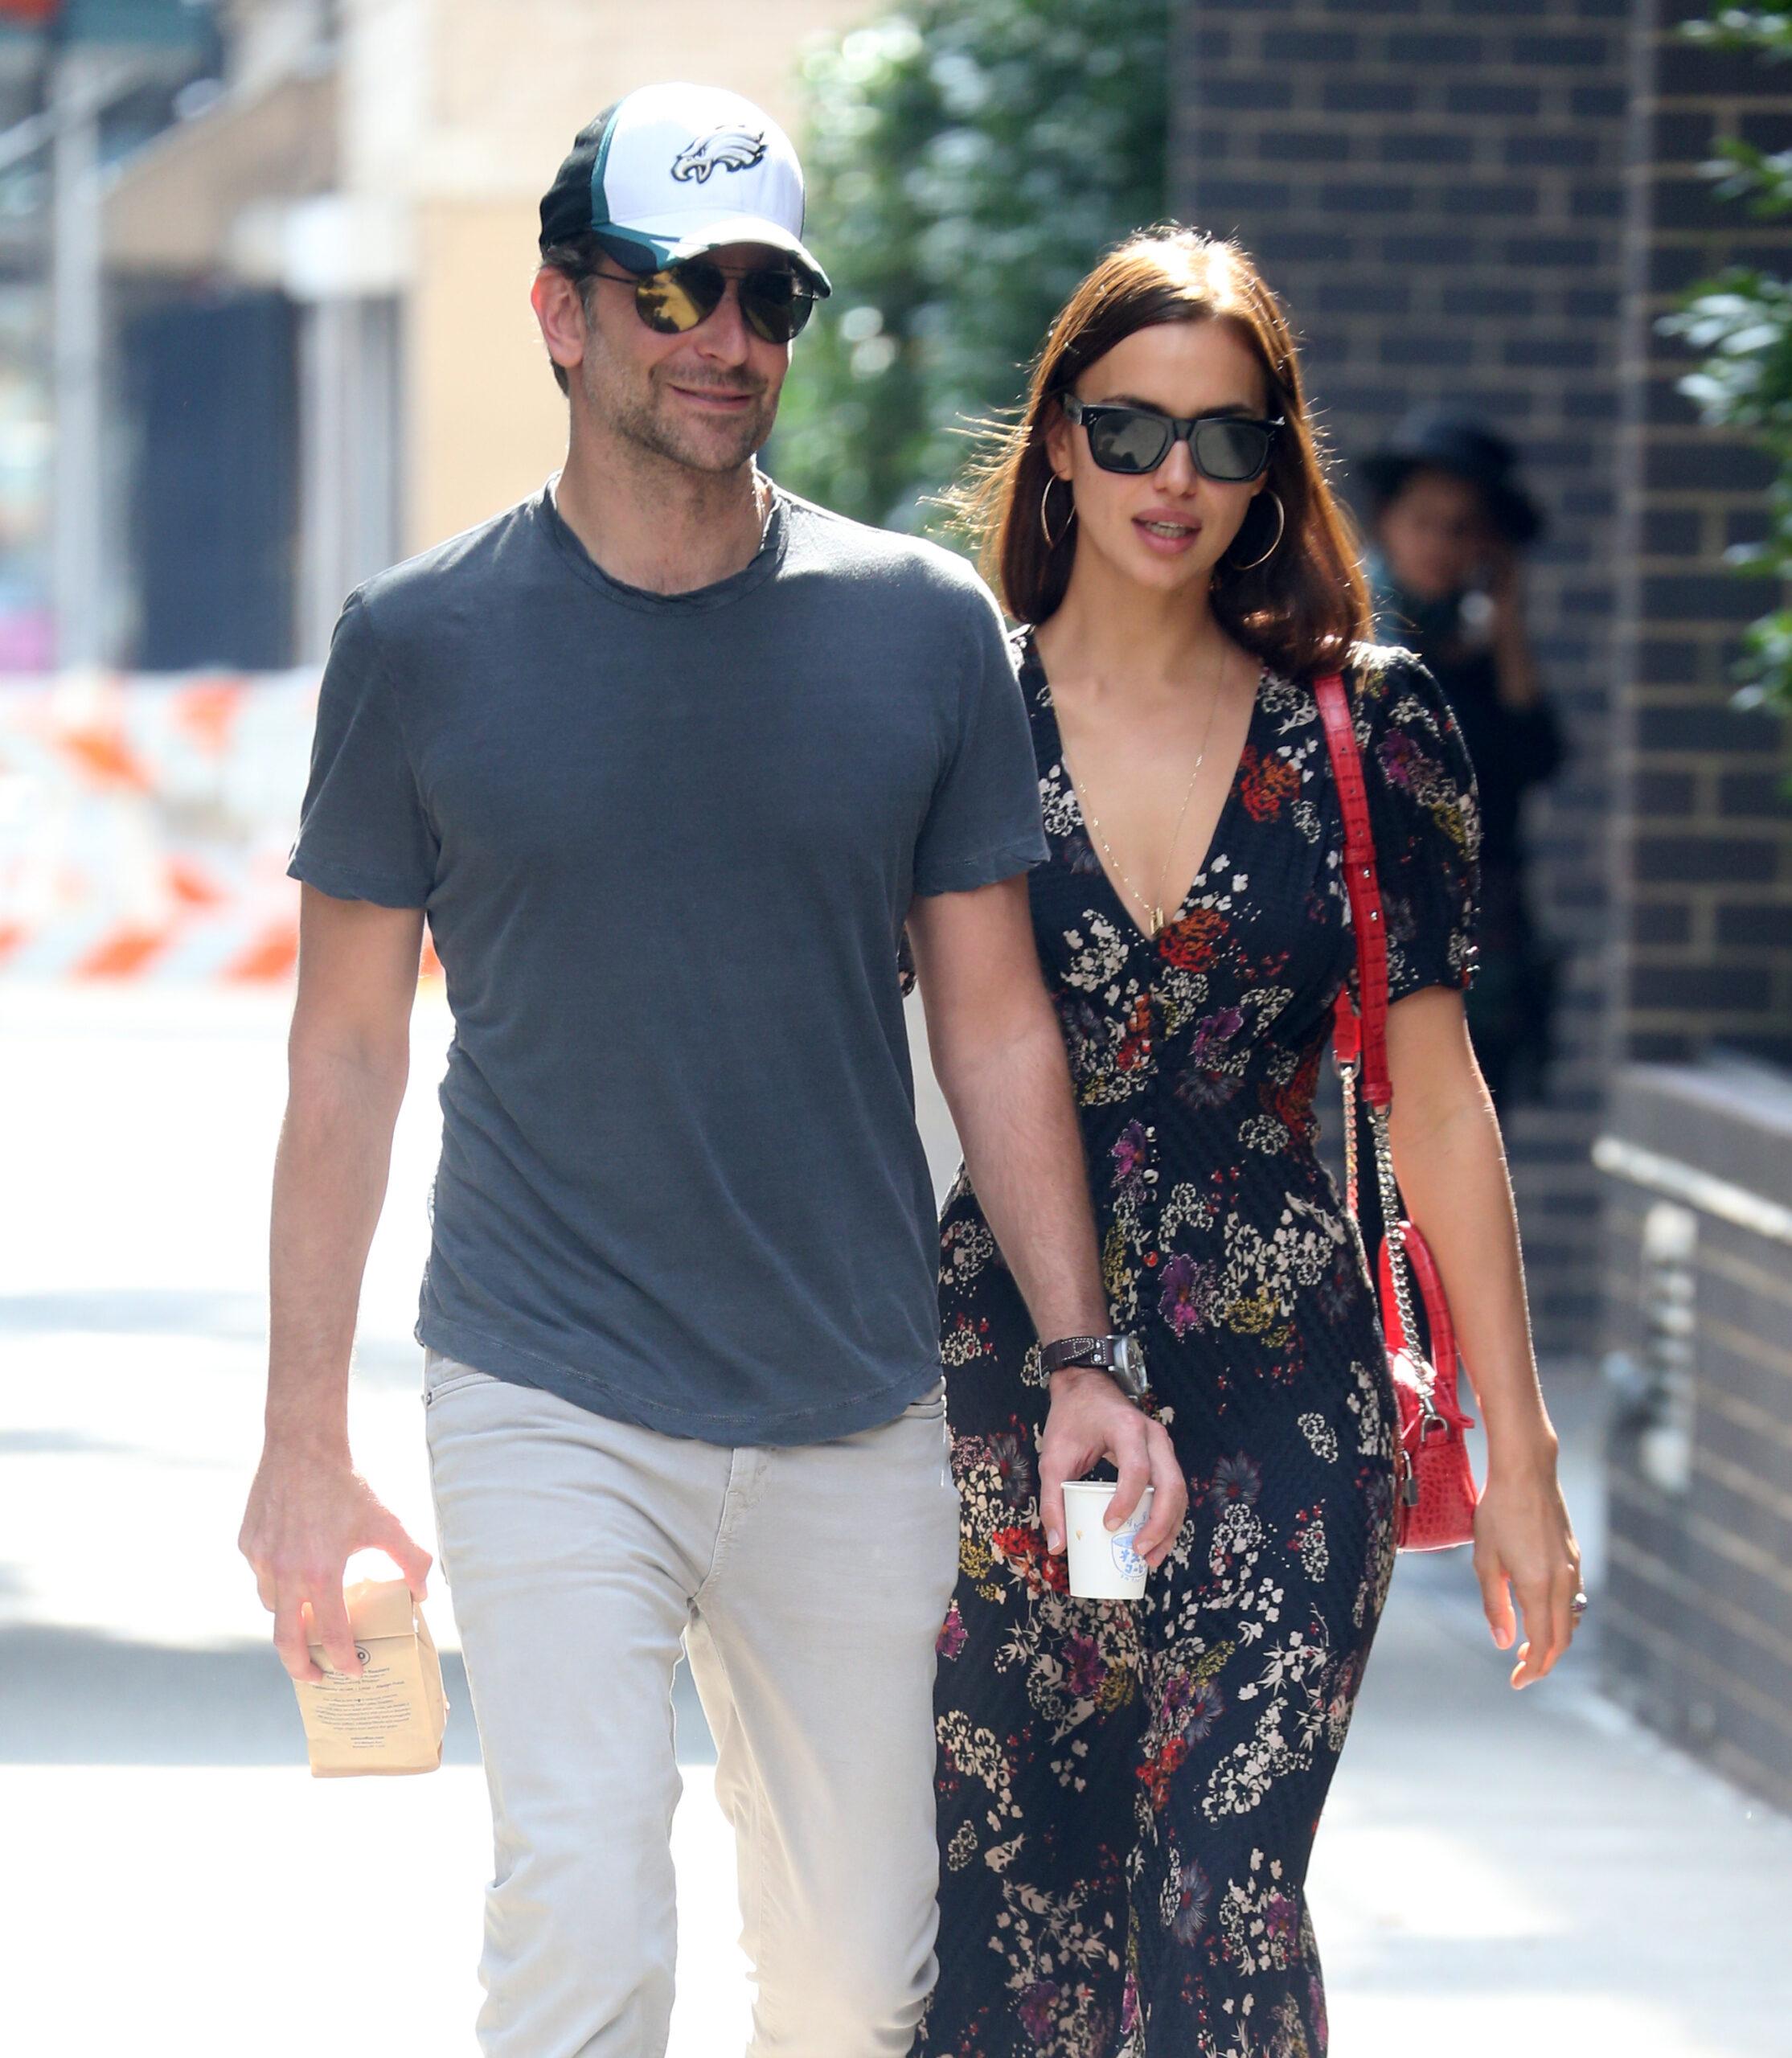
1347	1077
1360	861
1389	1191
1399	1268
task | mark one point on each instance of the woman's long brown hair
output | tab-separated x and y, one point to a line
1305	606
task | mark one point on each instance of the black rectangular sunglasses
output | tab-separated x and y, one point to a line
1229	448
775	300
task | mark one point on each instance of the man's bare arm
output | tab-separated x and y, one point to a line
999	1058
348	1057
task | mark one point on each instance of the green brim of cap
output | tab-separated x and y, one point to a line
667	239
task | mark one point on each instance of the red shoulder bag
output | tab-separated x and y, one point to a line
1435	1493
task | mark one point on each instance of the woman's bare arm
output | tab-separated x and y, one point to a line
1451	1165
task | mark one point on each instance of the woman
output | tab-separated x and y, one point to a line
1128	1793
1451	522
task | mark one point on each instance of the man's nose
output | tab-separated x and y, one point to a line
725	336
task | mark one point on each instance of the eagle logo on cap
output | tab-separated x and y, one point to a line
727	148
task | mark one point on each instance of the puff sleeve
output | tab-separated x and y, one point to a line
1426	817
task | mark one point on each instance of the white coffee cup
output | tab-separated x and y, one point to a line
1105	1565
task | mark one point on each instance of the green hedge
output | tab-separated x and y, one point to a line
967	160
1742	323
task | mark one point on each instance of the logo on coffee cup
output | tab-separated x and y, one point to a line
1126	1559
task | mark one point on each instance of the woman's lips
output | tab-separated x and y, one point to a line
1165	534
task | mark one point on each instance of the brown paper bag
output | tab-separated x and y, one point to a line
391	1718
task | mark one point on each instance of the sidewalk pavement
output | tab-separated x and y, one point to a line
1498	1872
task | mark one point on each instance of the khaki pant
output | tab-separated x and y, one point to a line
808	1585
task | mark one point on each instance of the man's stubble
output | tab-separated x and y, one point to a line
649	419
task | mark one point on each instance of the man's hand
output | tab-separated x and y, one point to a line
1090	1419
999	1056
307	1516
349	1054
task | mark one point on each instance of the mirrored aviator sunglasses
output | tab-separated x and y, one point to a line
775	302
1231	450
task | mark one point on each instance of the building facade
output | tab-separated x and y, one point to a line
1490	205
359	202
1696	1143
1437	195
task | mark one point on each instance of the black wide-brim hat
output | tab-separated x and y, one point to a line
1456	444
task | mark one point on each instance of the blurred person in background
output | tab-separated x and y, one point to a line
1451	521
1129	1793
668	756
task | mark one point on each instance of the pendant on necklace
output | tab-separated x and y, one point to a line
1156	921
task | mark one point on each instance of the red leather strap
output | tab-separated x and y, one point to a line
1435	1503
1363	1028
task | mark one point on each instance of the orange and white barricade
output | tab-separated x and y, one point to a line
144	824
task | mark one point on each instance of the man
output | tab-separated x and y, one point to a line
1451	520
669	758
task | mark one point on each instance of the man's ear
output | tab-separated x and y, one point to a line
560	310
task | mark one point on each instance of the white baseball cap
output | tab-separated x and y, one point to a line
671	171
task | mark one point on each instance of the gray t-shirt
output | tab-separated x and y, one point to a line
667	843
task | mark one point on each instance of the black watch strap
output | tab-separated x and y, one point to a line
1097	1351
1120	1357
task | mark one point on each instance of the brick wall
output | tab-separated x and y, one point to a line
1696	1623
1703	854
1437	190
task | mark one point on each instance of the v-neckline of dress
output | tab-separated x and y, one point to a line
1215	847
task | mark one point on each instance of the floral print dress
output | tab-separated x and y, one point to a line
1128	1792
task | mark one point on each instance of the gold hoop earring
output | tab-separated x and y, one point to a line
1281	525
1052	542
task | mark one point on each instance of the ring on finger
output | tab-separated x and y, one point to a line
1578	1605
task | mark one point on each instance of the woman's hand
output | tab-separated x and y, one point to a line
1524	1549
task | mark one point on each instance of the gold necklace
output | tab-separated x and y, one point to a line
1155	905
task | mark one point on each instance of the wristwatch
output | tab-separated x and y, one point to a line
1121	1358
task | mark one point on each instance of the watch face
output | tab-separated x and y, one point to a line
1129	1358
